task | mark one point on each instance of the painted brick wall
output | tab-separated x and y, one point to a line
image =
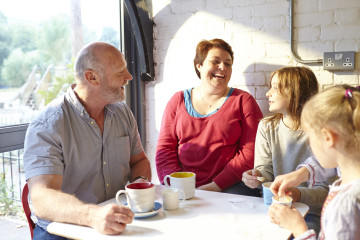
258	31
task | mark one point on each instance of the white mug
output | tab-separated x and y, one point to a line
140	196
171	198
184	181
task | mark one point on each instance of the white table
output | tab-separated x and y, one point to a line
208	215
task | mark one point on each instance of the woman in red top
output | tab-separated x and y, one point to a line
210	129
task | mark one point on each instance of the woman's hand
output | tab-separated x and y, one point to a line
288	218
210	187
250	178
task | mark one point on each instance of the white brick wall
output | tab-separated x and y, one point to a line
258	31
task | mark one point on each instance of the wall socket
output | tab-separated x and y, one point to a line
339	61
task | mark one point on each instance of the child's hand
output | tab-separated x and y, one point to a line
282	182
294	193
250	178
288	218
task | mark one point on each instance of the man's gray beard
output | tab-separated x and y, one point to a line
120	95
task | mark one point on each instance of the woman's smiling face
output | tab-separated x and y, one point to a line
217	68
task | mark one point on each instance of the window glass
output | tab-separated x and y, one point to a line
39	40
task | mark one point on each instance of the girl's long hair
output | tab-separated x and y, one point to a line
297	84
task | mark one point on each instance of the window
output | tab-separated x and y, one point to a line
38	42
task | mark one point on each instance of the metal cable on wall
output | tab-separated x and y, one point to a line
294	55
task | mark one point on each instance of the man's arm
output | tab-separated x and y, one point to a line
52	204
140	166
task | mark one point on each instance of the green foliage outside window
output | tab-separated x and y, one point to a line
7	205
54	40
60	85
18	66
24	45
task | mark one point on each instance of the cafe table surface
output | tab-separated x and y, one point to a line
208	215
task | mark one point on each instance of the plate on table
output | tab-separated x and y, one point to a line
156	210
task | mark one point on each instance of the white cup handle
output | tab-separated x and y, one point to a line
183	196
127	198
166	180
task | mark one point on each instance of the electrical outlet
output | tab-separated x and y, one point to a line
339	61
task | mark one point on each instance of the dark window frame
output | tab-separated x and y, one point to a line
12	137
137	46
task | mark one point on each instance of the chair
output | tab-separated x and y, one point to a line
26	207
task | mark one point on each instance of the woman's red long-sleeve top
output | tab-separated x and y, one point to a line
217	148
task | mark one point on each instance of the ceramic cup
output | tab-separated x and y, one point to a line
287	200
267	194
140	196
171	198
184	181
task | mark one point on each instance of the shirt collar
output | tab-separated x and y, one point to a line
72	98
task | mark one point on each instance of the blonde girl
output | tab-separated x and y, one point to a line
331	120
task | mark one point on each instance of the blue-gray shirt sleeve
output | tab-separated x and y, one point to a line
43	150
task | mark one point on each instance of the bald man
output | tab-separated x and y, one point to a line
84	147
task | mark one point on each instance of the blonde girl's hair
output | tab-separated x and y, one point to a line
297	84
338	107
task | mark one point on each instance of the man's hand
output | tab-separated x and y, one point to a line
210	187
52	204
250	178
111	219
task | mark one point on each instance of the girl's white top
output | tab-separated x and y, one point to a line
340	218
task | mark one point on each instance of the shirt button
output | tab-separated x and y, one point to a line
82	114
92	122
107	185
104	163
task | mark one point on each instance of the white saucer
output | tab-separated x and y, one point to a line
156	210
